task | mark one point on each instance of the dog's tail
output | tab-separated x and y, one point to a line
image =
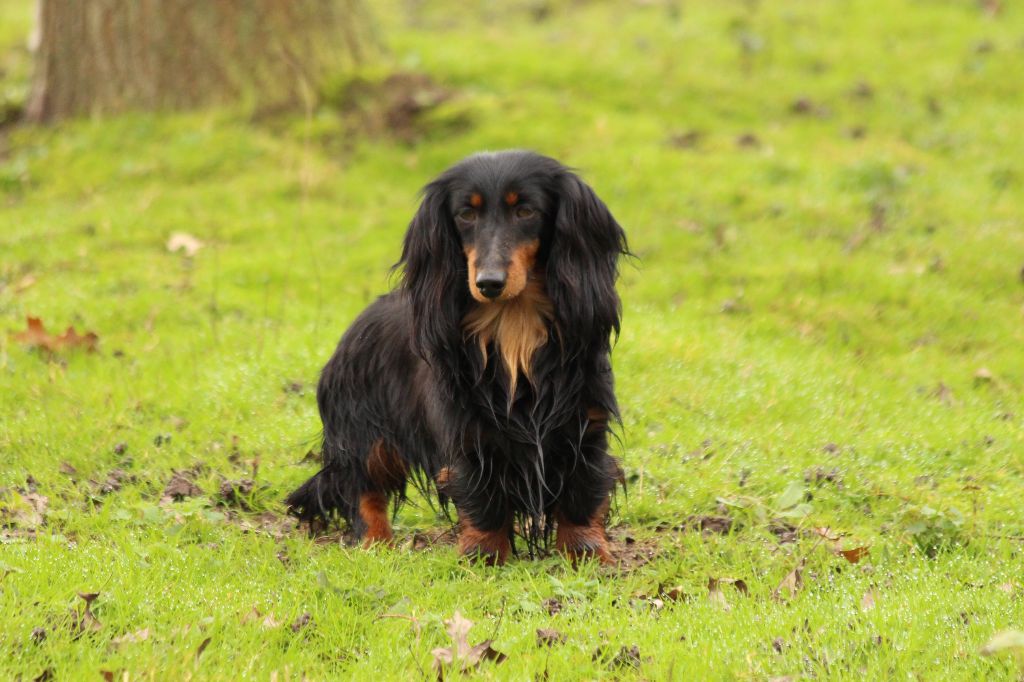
323	497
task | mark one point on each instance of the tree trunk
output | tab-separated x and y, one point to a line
106	56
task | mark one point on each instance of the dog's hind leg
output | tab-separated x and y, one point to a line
386	474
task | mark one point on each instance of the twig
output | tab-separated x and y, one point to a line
501	617
411	619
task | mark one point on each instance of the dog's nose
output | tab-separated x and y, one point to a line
491	283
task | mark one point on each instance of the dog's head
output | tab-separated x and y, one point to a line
493	223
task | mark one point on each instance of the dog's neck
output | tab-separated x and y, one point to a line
517	328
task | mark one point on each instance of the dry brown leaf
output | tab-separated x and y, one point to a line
677	593
87	622
827	534
468	657
791	584
270	623
301	622
552	605
131	637
626	657
1009	587
867	602
184	242
179	487
24	283
253	615
548	637
24	510
36	336
715	595
853	555
202	647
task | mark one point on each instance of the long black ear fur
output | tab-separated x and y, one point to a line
434	276
582	267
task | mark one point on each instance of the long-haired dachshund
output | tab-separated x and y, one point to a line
485	376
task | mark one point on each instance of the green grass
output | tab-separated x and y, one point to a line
802	338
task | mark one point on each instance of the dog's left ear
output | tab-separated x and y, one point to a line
434	276
582	264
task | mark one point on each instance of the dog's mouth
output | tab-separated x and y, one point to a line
489	284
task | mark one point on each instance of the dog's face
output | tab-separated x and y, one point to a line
497	222
501	207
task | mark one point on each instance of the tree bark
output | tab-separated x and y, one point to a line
107	56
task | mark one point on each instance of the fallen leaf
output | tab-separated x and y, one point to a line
38	635
687	140
867	602
24	510
179	487
791	584
202	647
301	622
552	605
677	593
786	533
624	658
270	623
803	105
820	475
68	469
1007	640
233	493
24	283
710	524
468	657
827	534
114	481
853	555
253	615
108	675
548	637
131	637
944	394
87	622
715	594
1009	588
862	90
748	141
983	375
36	336
182	241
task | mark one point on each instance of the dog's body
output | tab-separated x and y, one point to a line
486	375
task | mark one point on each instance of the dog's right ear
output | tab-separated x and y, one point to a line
434	275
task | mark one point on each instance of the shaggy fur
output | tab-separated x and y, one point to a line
485	377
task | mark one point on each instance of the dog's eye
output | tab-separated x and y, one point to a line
467	214
524	212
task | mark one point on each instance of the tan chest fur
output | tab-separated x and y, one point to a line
517	328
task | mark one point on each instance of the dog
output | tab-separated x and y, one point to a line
484	378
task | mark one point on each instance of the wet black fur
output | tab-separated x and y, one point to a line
404	373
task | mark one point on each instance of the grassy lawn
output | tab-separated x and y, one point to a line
822	350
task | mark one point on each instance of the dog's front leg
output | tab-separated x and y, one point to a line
582	510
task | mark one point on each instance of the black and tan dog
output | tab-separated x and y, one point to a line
485	377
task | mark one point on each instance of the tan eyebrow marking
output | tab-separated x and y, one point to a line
511	198
475	200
